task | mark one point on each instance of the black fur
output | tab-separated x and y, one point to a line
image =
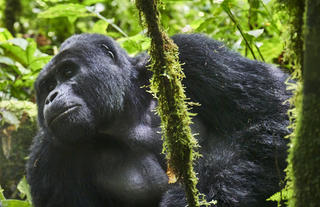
98	142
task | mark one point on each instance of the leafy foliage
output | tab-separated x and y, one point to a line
20	61
23	188
250	27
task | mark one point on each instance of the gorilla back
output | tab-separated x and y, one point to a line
98	142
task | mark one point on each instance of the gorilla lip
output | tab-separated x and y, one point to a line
65	112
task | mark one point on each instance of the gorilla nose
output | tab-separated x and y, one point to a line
51	97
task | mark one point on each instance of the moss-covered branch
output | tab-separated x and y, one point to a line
179	143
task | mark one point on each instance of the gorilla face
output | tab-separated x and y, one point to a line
71	88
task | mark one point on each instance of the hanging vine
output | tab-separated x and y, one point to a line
166	86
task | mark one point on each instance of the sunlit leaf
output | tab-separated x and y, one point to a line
15	203
100	27
5	34
30	50
24	189
256	33
6	60
9	117
195	24
134	44
65	10
131	46
10	76
2	198
218	1
39	62
20	69
15	52
22	43
90	2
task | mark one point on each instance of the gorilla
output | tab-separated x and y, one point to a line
99	145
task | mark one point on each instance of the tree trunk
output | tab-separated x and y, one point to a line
306	146
11	12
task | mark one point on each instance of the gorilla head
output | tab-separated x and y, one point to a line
77	95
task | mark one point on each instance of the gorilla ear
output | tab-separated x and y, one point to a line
108	51
140	62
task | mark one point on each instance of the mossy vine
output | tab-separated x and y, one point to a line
179	142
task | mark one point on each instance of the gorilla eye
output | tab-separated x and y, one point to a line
48	85
68	73
109	52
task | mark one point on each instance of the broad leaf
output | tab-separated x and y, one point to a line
10	118
15	203
65	10
256	33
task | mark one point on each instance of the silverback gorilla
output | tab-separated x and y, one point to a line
99	145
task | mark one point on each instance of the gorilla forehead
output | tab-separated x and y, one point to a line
88	47
85	39
88	41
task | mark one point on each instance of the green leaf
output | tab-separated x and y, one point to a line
6	60
134	44
175	0
10	118
195	24
65	10
5	34
204	24
72	19
15	203
218	1
285	194
131	46
31	48
90	2
20	69
15	52
39	63
100	27
10	76
2	198
256	33
24	189
22	43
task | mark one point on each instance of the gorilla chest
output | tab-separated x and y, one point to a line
113	175
131	176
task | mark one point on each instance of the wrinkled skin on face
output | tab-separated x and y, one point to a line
99	143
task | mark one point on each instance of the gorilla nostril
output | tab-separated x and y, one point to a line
51	97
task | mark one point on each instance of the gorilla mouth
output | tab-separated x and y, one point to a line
66	111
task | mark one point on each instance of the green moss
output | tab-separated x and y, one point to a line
305	147
179	143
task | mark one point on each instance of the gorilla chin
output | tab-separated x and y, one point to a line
65	114
71	125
